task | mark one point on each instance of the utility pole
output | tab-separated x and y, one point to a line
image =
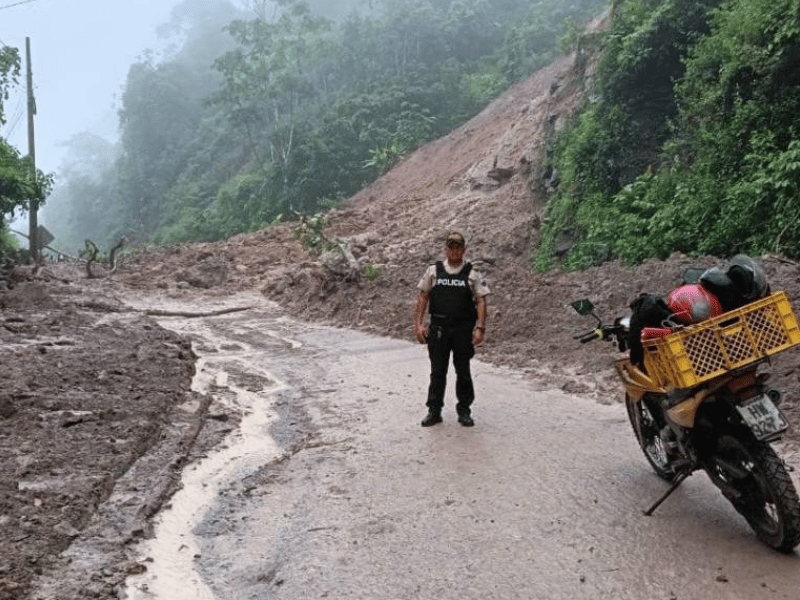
33	219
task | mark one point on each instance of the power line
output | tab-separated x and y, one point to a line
17	4
17	117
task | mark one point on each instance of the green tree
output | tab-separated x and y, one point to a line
20	183
738	127
268	82
9	75
607	197
83	205
297	113
163	134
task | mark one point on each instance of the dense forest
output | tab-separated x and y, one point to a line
256	113
692	143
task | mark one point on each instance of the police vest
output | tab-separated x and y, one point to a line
451	296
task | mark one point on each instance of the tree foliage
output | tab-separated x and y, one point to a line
20	183
18	186
9	75
719	84
295	111
79	207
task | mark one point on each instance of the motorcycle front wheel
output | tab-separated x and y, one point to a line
753	478
648	433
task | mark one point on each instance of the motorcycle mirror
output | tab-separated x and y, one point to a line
692	274
583	307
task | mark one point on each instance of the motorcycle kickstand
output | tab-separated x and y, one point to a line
679	479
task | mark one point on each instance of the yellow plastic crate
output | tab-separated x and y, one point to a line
703	351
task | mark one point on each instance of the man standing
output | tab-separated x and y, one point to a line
456	298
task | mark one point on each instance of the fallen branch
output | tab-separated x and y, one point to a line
154	312
53	250
102	306
194	315
93	254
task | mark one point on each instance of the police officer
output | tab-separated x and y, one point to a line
455	295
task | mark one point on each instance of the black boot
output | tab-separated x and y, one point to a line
432	418
465	418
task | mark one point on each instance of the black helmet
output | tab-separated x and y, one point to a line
748	276
742	282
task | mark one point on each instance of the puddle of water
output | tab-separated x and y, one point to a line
171	555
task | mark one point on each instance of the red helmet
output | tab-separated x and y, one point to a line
692	303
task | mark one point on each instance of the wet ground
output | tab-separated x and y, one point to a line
247	454
86	389
334	490
542	499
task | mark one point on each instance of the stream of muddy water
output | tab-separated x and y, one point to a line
233	371
172	553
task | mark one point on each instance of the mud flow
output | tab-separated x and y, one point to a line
229	369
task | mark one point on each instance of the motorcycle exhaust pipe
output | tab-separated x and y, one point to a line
775	396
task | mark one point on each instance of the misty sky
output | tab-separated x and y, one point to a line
81	51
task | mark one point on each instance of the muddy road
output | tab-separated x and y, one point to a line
329	488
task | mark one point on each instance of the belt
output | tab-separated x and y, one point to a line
444	320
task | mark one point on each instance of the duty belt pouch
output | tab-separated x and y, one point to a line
435	331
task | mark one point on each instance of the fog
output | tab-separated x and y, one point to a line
205	131
81	51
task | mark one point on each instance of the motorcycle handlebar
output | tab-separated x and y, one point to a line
603	332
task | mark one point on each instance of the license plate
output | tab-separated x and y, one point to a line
763	417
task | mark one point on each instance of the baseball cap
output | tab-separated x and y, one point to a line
456	237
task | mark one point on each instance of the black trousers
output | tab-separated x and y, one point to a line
443	339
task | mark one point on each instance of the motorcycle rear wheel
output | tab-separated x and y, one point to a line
647	431
753	478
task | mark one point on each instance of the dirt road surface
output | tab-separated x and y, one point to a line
541	500
249	454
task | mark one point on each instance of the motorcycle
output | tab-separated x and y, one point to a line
701	402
